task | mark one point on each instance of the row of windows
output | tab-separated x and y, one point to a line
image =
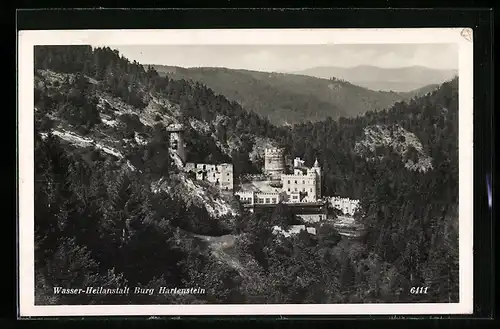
202	177
303	182
303	189
267	200
205	167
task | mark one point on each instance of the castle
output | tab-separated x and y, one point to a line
301	187
219	174
304	184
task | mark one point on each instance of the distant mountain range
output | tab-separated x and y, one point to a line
291	98
385	79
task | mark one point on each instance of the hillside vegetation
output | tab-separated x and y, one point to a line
288	98
113	207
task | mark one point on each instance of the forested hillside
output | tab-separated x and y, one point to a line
100	220
412	215
287	98
419	92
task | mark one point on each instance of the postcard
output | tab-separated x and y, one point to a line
245	172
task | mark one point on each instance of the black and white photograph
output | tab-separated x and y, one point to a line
245	172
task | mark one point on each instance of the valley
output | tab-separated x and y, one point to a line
290	98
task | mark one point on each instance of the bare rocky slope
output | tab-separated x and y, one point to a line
378	138
113	114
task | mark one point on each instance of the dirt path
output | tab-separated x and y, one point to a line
218	242
221	249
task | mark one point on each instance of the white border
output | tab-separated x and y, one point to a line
27	39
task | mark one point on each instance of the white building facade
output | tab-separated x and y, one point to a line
304	185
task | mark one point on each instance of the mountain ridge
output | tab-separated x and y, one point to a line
286	98
398	79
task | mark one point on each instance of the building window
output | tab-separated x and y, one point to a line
288	189
295	182
311	190
295	197
227	174
289	182
295	189
204	167
274	200
303	182
267	200
261	200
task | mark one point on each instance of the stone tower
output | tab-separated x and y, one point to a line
317	169
177	140
274	162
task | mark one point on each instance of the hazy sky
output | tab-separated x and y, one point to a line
283	58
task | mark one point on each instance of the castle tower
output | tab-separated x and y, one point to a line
274	162
317	169
177	140
226	176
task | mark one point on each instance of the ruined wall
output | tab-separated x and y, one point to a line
220	174
346	205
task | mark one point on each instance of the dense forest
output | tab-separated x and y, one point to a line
98	224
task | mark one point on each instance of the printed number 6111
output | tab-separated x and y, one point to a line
418	290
